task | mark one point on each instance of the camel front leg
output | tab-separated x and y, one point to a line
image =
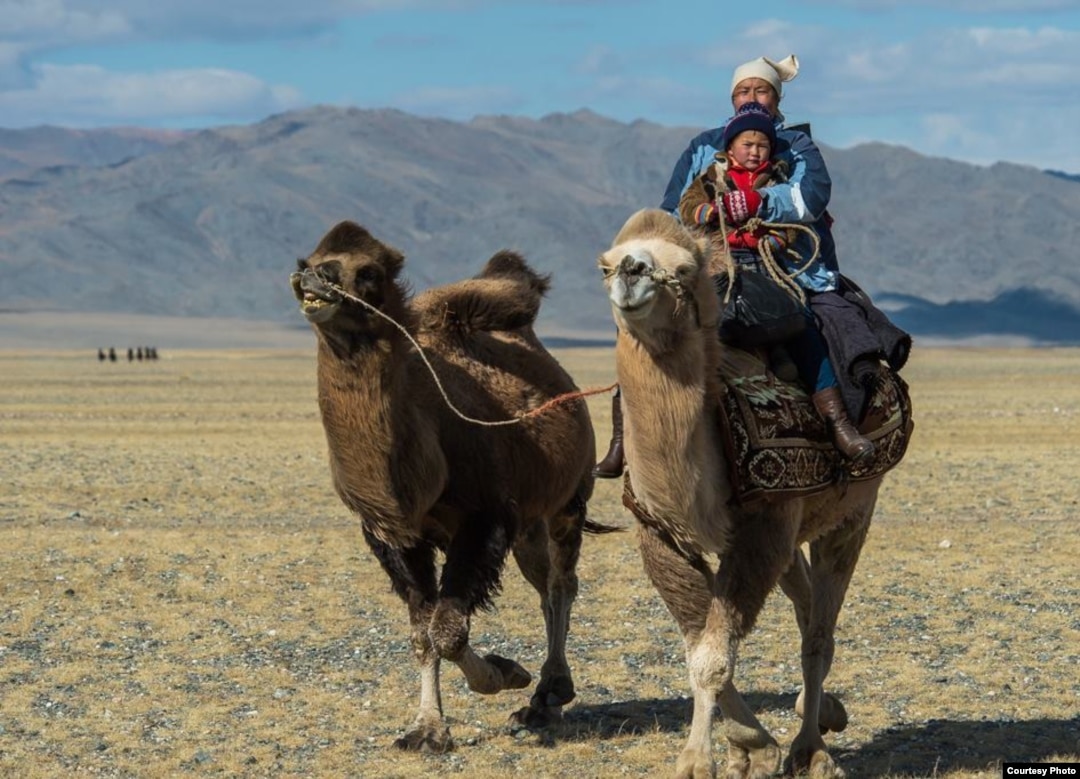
684	582
470	580
412	576
428	732
761	550
833	560
752	752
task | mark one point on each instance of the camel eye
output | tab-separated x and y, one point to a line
368	274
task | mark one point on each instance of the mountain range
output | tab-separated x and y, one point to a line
208	223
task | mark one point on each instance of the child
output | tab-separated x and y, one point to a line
735	184
737	175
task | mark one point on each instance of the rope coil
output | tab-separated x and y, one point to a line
785	279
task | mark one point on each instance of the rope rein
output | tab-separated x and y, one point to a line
785	279
521	417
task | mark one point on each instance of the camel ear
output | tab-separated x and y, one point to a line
392	260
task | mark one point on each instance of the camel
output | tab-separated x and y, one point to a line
713	559
424	473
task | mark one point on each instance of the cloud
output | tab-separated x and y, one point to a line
48	22
89	95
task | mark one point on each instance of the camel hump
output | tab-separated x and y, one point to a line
508	264
505	295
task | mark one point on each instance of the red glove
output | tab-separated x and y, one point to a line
740	206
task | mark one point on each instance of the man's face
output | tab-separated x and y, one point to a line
755	90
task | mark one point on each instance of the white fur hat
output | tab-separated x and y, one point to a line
764	68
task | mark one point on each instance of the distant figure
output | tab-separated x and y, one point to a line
138	354
152	351
112	354
101	354
131	354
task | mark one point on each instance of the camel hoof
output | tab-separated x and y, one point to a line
760	763
514	676
430	740
553	692
823	767
696	765
819	766
534	717
831	714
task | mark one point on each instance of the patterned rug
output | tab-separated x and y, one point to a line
777	445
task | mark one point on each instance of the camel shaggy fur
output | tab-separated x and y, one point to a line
713	561
424	480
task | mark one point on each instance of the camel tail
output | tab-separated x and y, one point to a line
598	529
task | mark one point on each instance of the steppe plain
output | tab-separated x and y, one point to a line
183	594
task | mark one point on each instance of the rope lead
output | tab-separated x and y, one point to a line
549	404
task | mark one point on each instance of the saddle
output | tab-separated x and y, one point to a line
778	447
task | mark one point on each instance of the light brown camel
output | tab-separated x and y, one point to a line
423	480
667	357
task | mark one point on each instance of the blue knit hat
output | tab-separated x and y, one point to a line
750	116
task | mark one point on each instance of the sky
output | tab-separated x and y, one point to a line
974	80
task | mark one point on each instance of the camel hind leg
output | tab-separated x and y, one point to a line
832	563
547	554
832	716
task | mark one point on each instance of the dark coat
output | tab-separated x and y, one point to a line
859	337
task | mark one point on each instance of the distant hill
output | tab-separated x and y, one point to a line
210	223
22	151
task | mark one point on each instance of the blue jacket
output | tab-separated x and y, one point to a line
802	199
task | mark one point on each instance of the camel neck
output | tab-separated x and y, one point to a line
673	448
373	438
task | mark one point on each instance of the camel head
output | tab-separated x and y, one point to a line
348	265
653	273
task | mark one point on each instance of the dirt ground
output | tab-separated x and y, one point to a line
183	594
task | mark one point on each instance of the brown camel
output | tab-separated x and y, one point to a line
424	480
667	360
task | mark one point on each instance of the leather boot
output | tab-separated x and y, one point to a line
611	467
848	440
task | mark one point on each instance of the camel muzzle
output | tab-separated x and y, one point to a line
319	299
632	268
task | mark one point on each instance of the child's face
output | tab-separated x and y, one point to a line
750	148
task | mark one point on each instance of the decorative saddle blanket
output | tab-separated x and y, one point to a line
776	444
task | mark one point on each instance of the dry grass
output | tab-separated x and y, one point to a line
183	593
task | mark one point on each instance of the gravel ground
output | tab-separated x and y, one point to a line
183	595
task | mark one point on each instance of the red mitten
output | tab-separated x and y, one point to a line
740	206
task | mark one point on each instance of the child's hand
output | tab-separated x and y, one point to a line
740	206
707	214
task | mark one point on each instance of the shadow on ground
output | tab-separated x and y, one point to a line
938	746
925	749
